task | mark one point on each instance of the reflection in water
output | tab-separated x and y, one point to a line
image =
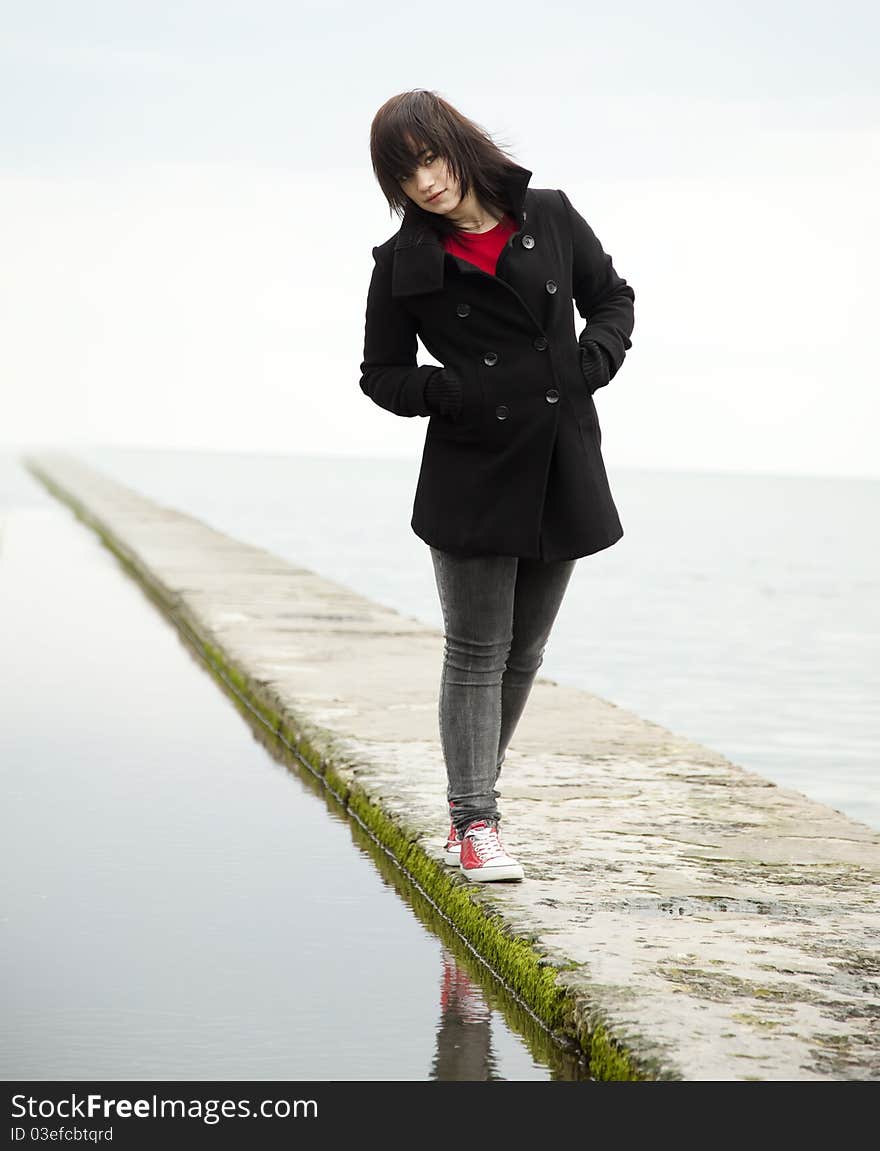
193	850
464	976
470	993
464	1037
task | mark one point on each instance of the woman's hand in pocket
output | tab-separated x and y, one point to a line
443	393
595	365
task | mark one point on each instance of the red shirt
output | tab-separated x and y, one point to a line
481	248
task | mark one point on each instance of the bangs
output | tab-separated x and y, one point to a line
399	159
404	131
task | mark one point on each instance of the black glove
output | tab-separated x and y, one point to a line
595	365
443	393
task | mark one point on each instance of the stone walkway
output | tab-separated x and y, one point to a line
687	920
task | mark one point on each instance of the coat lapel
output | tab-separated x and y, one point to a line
419	255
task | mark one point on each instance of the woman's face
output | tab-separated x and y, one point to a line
432	186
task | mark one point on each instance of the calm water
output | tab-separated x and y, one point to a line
742	611
178	901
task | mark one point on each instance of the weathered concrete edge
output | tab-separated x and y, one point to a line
531	975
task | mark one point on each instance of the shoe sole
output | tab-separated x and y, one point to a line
453	858
489	874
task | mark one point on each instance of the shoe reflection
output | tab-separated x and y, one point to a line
464	1036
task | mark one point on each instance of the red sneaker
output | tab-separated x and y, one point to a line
452	849
483	857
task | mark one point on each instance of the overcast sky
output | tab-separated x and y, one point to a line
187	215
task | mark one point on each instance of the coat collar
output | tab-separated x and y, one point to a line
419	255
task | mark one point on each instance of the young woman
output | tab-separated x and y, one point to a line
512	488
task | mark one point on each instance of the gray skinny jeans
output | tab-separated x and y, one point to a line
498	612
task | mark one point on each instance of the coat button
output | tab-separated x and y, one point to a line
490	358
528	241
502	411
463	310
540	343
550	286
551	395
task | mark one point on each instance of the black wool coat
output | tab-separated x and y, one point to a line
519	470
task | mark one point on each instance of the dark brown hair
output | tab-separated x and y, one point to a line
423	118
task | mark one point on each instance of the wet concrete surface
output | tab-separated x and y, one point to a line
697	921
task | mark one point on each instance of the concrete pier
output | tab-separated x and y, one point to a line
681	917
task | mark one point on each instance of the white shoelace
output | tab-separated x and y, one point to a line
486	843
